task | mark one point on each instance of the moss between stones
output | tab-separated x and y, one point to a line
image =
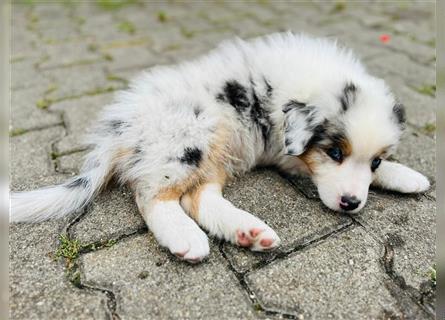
16	132
162	16
115	4
429	90
429	128
127	27
70	249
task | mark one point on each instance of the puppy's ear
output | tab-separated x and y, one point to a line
301	121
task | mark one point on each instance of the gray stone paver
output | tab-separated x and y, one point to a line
151	285
403	225
68	58
341	278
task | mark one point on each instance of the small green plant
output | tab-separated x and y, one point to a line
339	6
68	248
114	4
187	33
429	128
432	274
43	103
16	132
162	16
127	27
429	90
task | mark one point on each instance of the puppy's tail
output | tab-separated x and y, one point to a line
61	200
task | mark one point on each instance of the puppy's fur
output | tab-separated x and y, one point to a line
179	132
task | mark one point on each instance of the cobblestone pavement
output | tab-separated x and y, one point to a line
67	59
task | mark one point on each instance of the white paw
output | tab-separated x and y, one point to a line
257	238
248	231
178	232
412	182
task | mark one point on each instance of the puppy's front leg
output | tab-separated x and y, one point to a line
397	177
222	219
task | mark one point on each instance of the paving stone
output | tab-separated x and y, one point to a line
113	214
141	57
23	42
67	54
418	152
414	75
26	116
38	287
149	284
79	115
30	157
296	219
24	74
80	80
344	270
71	163
403	222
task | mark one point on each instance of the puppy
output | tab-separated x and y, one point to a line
180	132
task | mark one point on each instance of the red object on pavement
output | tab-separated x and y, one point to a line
384	38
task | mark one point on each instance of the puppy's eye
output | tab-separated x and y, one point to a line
375	163
335	154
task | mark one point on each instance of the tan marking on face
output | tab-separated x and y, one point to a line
383	152
311	158
346	147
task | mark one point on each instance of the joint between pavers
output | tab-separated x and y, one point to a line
19	131
255	302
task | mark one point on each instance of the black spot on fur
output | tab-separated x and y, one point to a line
197	111
348	96
192	156
325	135
319	134
250	105
399	112
117	126
260	117
269	89
287	142
138	149
236	95
292	104
83	182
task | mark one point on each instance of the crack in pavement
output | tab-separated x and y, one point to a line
399	287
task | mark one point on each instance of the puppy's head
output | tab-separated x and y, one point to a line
343	137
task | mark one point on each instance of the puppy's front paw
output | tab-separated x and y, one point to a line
189	244
412	182
257	238
179	233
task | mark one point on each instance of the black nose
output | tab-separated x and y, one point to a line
349	202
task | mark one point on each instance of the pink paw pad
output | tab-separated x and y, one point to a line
266	242
243	240
180	254
255	232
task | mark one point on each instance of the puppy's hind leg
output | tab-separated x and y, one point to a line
223	220
171	226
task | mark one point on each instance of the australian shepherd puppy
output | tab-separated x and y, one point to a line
180	132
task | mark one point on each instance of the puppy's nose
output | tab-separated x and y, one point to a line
349	203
